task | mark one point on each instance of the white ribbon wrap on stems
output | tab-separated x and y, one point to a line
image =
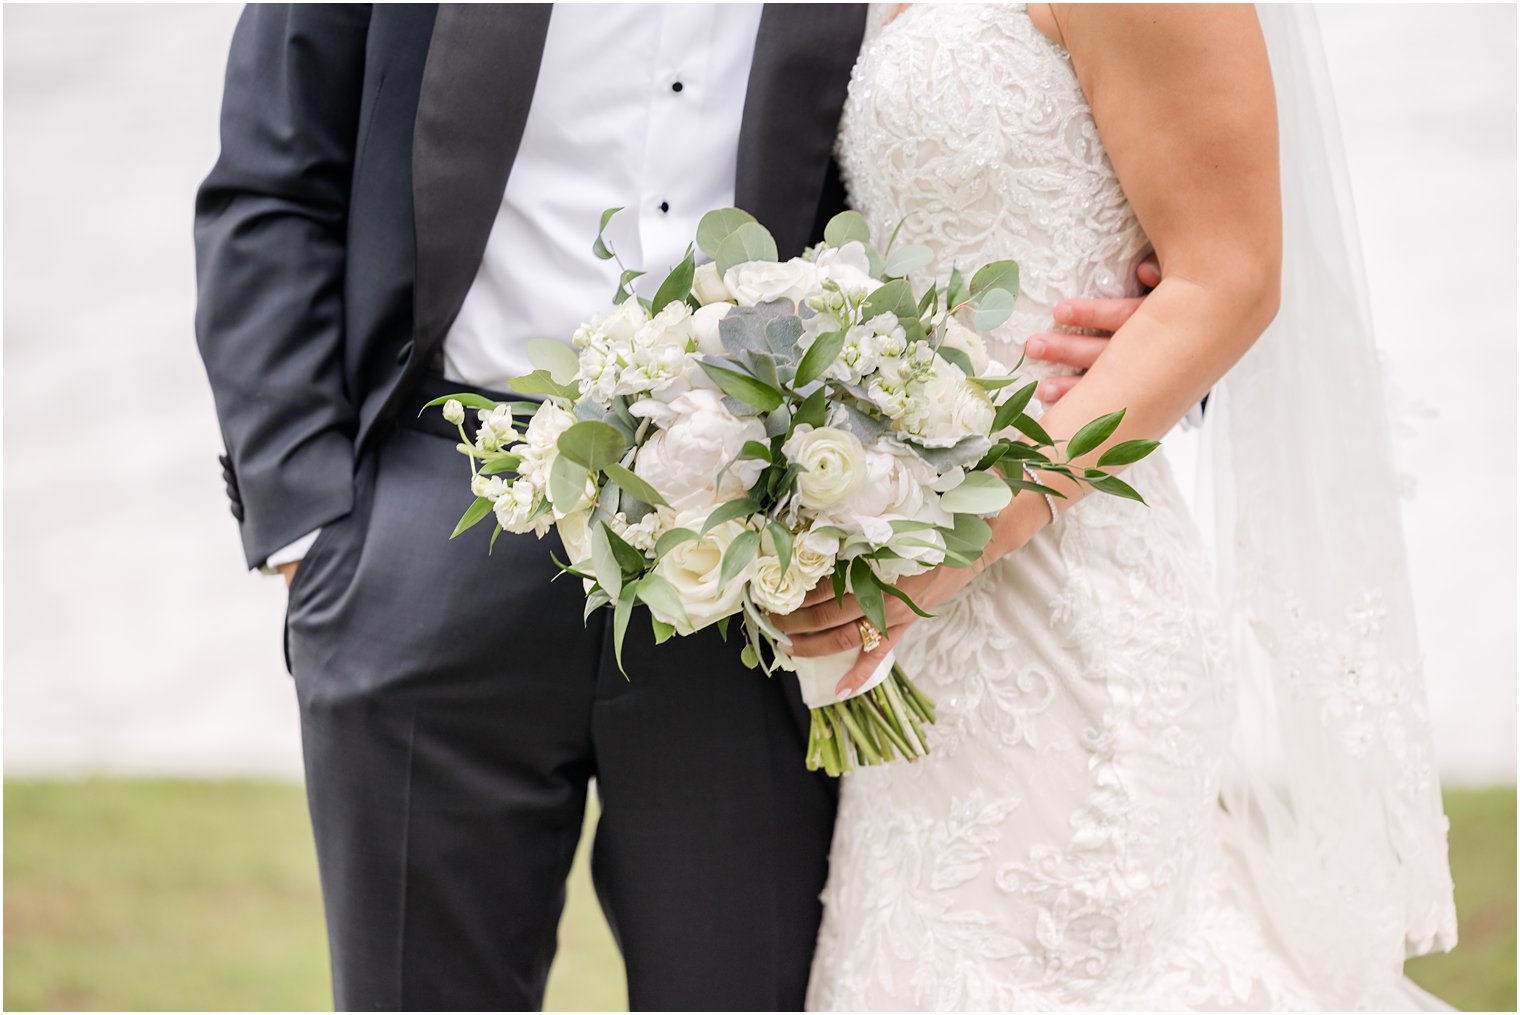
819	675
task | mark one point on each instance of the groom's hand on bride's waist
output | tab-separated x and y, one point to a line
1103	316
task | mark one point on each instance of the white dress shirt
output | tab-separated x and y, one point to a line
637	106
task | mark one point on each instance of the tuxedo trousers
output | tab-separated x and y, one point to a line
454	707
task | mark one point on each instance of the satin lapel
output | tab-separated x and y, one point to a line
482	67
797	85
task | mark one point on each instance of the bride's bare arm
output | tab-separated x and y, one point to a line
1182	96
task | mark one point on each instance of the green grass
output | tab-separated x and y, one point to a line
157	894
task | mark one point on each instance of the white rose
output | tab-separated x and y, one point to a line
832	463
813	553
849	268
778	591
708	285
756	282
697	437
694	569
958	336
704	325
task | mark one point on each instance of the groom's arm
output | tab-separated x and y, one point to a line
270	225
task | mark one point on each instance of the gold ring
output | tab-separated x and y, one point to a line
869	636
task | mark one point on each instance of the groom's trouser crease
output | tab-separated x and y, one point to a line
453	709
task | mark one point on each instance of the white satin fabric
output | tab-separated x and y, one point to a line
1064	845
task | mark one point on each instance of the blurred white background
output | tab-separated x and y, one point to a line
135	640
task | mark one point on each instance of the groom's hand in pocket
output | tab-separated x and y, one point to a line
1101	316
288	571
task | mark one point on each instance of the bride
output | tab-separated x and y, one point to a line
1160	778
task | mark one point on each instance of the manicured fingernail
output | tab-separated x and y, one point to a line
842	690
1062	313
1035	347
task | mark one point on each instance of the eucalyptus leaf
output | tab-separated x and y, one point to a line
744	329
540	382
992	309
1093	434
846	227
980	493
1003	275
894	297
556	357
592	444
743	387
716	226
567	483
631	484
480	508
750	242
907	259
959	455
970	534
782	335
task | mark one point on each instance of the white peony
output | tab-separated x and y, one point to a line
694	569
707	285
756	282
704	326
832	462
696	437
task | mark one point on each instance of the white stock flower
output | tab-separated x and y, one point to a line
694	570
707	285
489	487
849	268
627	353
756	282
643	534
540	445
515	506
453	411
704	326
496	431
930	399
696	437
832	462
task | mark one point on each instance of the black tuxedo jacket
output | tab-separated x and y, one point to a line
364	155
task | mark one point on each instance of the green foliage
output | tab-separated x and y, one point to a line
600	248
749	242
717	226
677	285
472	515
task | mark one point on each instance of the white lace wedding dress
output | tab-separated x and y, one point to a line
1063	845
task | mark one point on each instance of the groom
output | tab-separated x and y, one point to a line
406	195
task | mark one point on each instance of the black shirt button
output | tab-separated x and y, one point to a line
664	206
677	87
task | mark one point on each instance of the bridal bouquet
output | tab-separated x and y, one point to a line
761	426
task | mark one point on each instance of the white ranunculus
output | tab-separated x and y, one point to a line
696	437
849	268
898	485
756	282
694	569
832	462
704	325
707	285
958	336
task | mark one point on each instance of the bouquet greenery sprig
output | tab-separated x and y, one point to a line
761	426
